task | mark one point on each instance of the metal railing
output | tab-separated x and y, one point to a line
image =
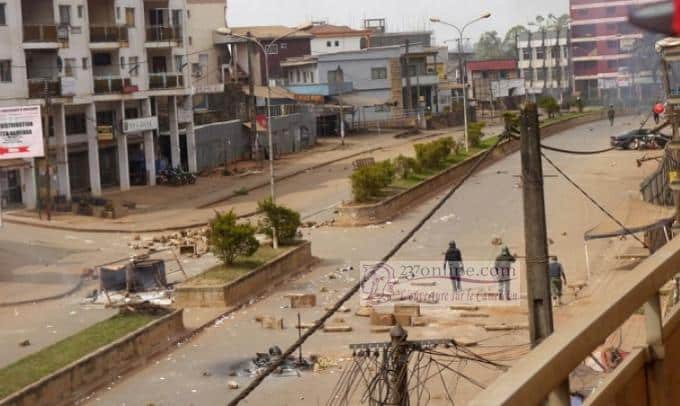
163	33
36	87
165	80
110	84
646	376
40	33
108	33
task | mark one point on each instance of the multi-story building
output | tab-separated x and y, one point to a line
602	50
481	76
381	37
543	62
117	78
329	38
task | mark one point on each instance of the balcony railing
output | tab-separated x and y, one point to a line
165	80
40	33
36	87
108	33
110	84
163	33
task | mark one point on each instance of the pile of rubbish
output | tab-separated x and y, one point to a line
290	367
175	177
192	242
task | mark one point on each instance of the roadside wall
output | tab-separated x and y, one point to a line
377	213
248	286
81	378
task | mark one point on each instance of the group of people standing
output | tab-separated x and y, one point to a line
453	260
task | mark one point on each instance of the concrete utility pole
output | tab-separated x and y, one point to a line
409	91
536	240
46	147
252	99
398	380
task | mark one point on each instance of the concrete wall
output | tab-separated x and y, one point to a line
79	379
250	285
320	44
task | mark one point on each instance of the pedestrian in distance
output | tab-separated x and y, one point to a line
454	260
658	109
611	114
503	267
558	279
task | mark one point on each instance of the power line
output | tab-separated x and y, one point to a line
592	199
354	289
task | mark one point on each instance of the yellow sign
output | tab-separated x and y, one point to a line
105	133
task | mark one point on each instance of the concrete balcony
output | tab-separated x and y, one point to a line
110	84
159	81
161	36
108	36
37	87
44	36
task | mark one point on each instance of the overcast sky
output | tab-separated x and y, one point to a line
400	14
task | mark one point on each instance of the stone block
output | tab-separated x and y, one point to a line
364	311
382	319
337	328
403	320
272	323
409	309
303	300
420	321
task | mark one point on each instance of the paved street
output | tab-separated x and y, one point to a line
488	206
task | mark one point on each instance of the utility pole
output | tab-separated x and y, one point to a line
409	91
252	99
398	379
536	240
46	147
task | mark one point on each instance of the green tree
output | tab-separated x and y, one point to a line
510	41
284	220
489	46
230	240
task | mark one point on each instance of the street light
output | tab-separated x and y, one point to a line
461	67
265	51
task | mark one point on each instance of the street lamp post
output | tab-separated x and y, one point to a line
461	32
265	51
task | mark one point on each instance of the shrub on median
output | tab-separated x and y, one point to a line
433	155
230	240
405	167
367	182
475	134
284	220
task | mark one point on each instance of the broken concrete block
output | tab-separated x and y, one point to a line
364	311
465	308
342	309
25	343
403	320
382	319
420	321
408	309
337	328
382	329
232	385
498	327
272	323
474	315
302	300
466	342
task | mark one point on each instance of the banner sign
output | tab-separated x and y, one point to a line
21	132
140	124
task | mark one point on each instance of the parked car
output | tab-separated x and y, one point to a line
638	139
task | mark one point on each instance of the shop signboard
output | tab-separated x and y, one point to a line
137	125
21	132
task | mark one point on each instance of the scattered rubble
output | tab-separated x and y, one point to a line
364	311
272	323
302	300
232	385
382	319
192	242
497	241
25	343
321	363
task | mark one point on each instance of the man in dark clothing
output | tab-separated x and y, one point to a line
504	264
454	259
557	280
611	114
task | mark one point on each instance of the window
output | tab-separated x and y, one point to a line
583	12
311	77
85	64
504	74
540	53
133	63
611	11
6	70
528	74
177	18
3	17
131	112
196	70
290	76
75	123
337	43
412	70
70	67
565	52
526	54
179	63
612	64
118	13
555	74
101	59
122	62
130	16
65	15
304	76
612	44
554	53
378	73
80	12
272	49
329	44
298	75
284	45
540	74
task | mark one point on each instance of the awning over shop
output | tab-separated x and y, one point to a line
638	216
14	164
358	99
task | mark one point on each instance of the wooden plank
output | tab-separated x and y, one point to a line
614	383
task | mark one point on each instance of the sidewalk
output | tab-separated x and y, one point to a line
308	182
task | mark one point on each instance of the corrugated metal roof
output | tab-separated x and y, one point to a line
270	32
493	64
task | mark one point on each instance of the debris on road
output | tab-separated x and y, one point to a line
232	385
497	241
25	343
272	323
364	311
301	300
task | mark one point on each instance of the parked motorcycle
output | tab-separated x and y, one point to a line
175	177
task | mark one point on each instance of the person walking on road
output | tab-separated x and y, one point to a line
454	259
557	280
658	109
611	114
503	267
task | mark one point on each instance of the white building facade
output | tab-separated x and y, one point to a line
117	75
543	62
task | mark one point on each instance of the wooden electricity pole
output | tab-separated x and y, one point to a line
398	379
46	146
536	240
252	99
